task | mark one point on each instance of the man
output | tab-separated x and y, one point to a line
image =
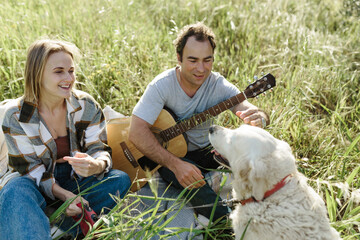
188	89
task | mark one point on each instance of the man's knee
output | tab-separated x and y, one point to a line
168	176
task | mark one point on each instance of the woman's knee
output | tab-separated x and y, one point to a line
21	190
120	181
18	187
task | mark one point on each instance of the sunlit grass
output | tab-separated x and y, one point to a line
312	47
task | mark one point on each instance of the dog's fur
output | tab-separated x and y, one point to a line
258	162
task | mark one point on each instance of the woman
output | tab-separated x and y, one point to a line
56	141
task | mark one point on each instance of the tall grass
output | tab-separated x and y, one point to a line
311	46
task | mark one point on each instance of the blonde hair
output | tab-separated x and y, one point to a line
37	56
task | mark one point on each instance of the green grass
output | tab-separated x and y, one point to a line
312	47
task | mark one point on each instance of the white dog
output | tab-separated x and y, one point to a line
274	198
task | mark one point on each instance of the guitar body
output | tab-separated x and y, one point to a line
125	155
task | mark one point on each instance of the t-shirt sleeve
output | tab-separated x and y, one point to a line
150	104
226	89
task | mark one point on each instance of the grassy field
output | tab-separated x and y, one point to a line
312	47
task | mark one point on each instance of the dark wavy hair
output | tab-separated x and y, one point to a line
201	33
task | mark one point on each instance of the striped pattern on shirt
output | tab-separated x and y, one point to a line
32	149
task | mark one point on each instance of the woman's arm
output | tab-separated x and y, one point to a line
95	158
64	195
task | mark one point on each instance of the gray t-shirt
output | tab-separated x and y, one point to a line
165	90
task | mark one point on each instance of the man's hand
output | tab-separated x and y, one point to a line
253	117
85	165
189	175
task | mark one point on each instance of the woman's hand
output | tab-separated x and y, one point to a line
64	195
84	165
72	209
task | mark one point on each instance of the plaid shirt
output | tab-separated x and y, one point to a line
32	149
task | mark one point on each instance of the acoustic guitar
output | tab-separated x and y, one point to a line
169	133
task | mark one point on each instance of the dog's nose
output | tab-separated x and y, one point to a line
212	129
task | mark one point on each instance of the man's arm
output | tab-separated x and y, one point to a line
145	141
250	114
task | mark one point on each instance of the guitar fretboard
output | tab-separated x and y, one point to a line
199	118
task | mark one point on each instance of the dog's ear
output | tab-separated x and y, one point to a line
257	178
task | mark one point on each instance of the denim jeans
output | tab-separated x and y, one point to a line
22	205
205	194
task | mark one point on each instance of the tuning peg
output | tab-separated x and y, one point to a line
249	81
262	73
255	78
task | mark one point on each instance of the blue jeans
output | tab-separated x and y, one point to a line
22	205
205	195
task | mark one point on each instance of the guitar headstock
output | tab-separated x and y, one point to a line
260	86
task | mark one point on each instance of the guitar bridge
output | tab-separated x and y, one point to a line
129	155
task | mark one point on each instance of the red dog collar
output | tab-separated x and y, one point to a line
267	194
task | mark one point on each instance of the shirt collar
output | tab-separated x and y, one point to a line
30	113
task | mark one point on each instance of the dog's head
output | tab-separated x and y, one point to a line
257	159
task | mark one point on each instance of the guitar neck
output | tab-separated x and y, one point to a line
199	118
